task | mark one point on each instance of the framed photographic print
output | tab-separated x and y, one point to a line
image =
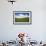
22	17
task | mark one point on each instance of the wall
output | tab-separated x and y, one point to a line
9	31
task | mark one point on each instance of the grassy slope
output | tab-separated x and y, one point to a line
22	19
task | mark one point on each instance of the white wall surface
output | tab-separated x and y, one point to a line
9	31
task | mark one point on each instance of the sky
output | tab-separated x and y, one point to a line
17	14
22	15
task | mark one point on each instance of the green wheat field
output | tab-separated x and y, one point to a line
23	19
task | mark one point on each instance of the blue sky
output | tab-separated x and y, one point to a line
22	14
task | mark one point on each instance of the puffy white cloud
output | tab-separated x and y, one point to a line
21	16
